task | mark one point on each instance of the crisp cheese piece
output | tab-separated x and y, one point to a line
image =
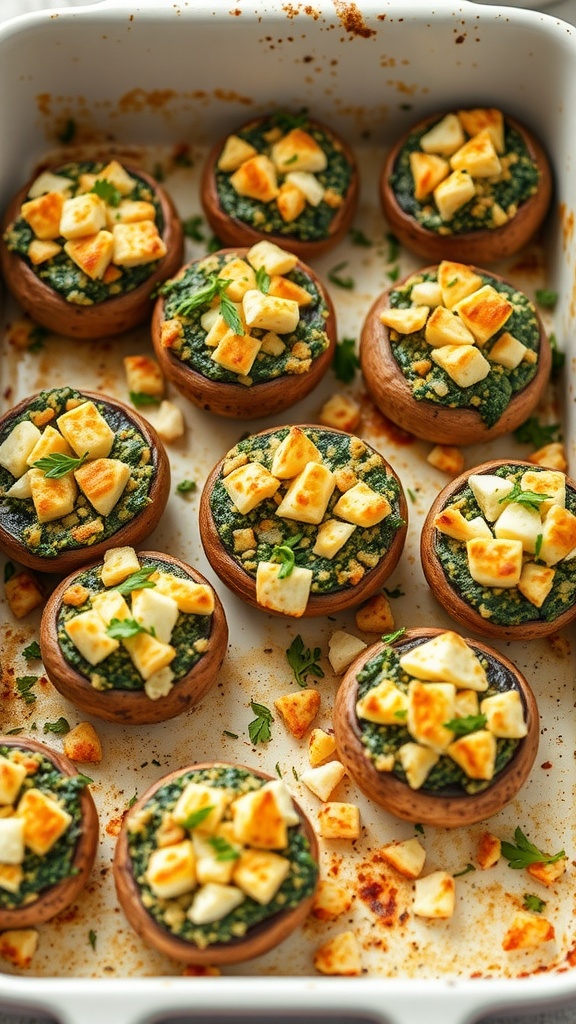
478	156
11	877
505	715
494	563
20	488
283	288
208	867
405	321
119	564
47	181
234	152
236	352
484	312
331	899
259	821
159	683
299	151
103	481
428	170
308	184
44	821
320	747
430	706
435	895
11	840
331	537
92	253
171	870
338	820
417	762
475	754
144	376
293	454
426	293
156	612
454	192
240	276
129	211
284	800
87	631
118	176
212	902
256	178
87	431
362	505
456	280
520	522
193	598
408	857
550	482
260	873
137	244
197	796
341	955
466	703
39	252
465	364
446	657
307	497
12	776
248	485
18	446
536	582
384	704
343	648
53	497
527	931
490	492
445	328
288	595
451	522
478	119
269	313
267	256
299	710
508	351
110	604
558	535
148	654
43	215
82	215
18	946
50	442
445	137
323	779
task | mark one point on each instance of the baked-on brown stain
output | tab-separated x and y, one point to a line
352	19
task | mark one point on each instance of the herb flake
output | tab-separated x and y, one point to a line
137	581
525	853
335	277
60	726
33	651
57	465
346	361
304	661
259	730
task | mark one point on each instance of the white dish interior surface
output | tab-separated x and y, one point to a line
145	79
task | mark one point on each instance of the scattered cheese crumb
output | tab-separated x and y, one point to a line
375	615
340	955
447	458
83	744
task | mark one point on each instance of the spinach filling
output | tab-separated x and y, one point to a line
509	191
504	606
60	272
362	551
314	221
117	672
446	778
48	539
171	913
40	873
489	397
307	342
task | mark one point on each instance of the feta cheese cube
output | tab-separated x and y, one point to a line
212	902
323	779
148	655
267	256
505	715
384	704
338	820
331	537
341	955
293	454
256	178
558	535
343	648
260	873
475	754
408	857
82	215
171	870
92	253
44	821
494	563
298	710
156	612
43	215
445	137
362	505
445	328
11	840
87	431
137	244
484	312
428	170
405	321
103	482
417	762
520	522
18	446
270	313
465	364
12	775
456	280
119	564
478	156
430	706
236	352
434	895
53	497
87	631
446	657
234	153
307	497
490	492
248	485
454	192
298	151
451	522
507	351
536	582
199	797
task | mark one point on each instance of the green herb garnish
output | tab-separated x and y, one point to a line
263	280
223	849
37	337
137	581
132	800
393	248
411	495
278	770
32	651
558	357
284	553
303	661
401	715
232	735
394	593
58	465
122	629
525	853
336	278
259	730
465	871
15	732
140	398
391	638
358	237
393	274
92	938
191	228
533	902
107	191
230	314
68	132
24	687
535	433
546	298
346	361
529	498
186	486
83	780
465	725
538	545
197	817
203	297
60	726
419	828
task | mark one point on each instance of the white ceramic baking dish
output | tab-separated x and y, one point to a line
150	76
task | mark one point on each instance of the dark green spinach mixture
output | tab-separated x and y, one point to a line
350	460
48	539
60	272
290	353
171	913
445	778
517	183
39	873
505	605
189	637
313	223
488	397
